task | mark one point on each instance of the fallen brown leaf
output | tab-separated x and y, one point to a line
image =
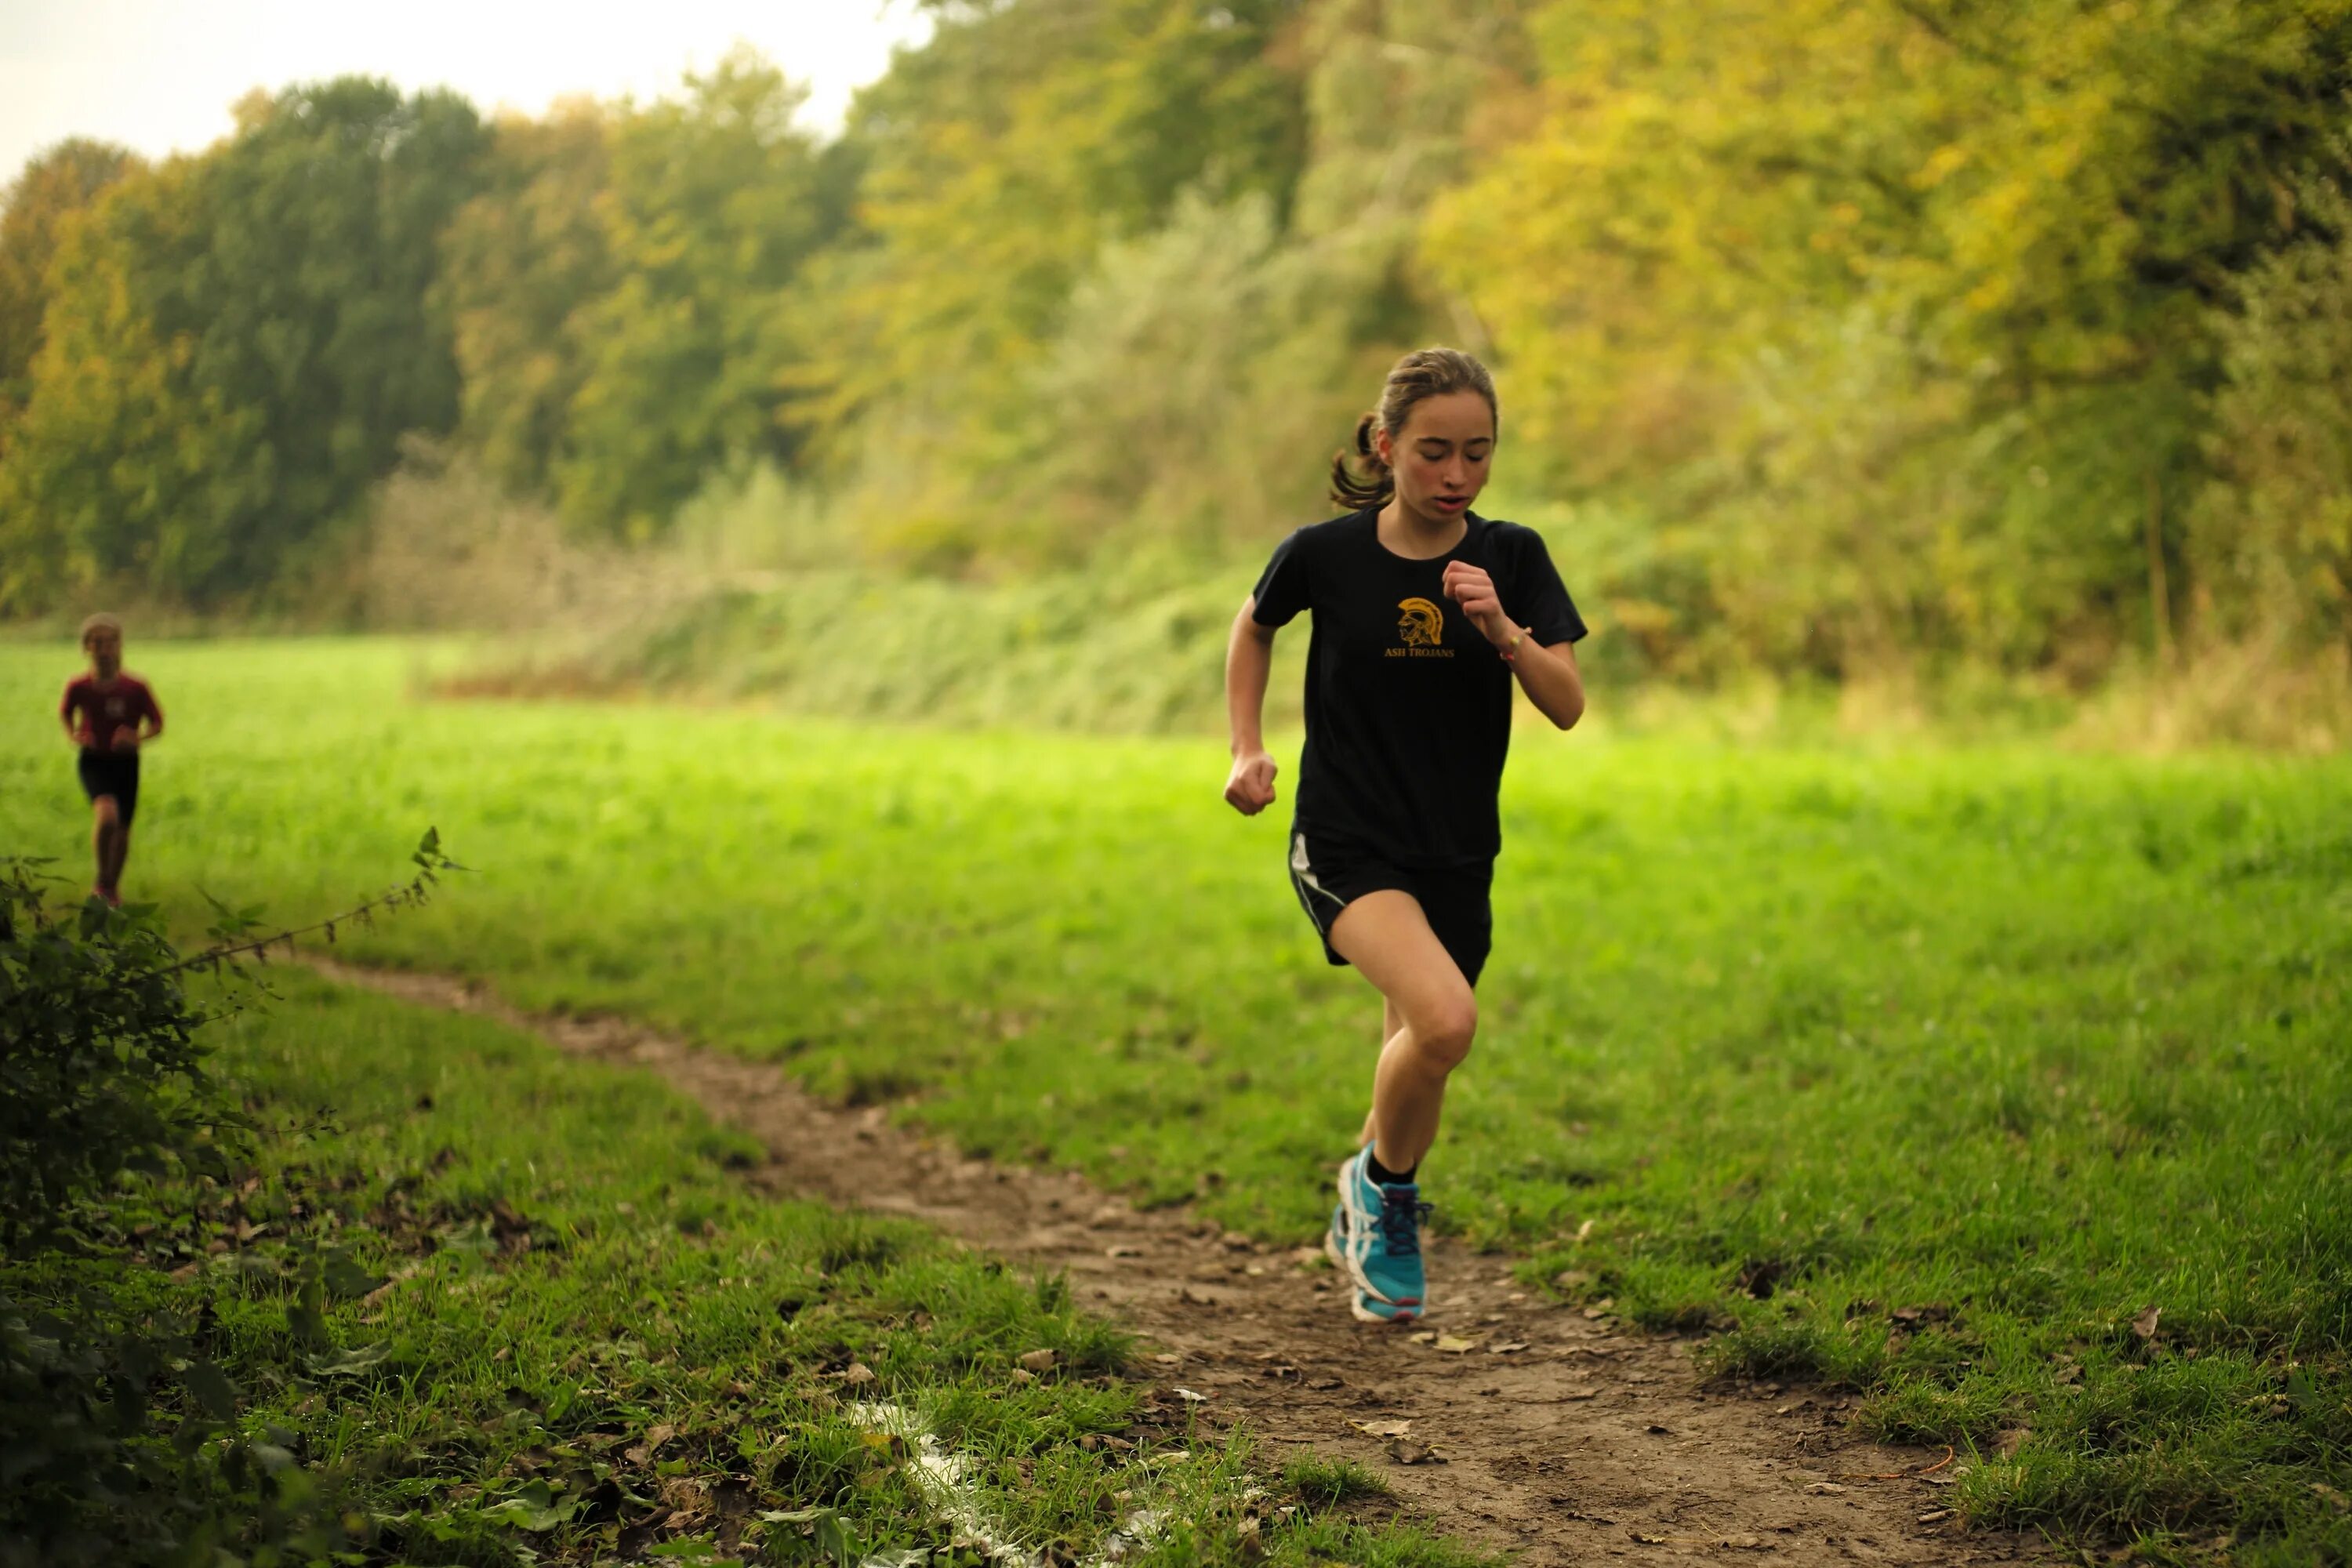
1453	1344
858	1375
1382	1428
2145	1324
1038	1360
1404	1452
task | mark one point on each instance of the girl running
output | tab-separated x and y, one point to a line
109	713
1425	613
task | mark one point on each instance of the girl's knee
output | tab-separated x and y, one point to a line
1444	1030
108	813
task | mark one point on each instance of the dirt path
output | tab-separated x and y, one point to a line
1565	1438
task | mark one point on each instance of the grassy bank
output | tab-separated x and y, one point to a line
1925	1069
1131	648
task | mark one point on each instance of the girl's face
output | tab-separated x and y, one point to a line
105	649
1441	457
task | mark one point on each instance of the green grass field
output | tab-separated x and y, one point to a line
1927	1068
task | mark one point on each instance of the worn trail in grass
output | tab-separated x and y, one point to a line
1927	1070
1528	1426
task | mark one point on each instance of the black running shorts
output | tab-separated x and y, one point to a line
1329	874
115	773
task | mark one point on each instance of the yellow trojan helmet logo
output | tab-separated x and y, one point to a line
1423	624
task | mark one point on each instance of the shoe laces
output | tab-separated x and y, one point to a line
1401	1214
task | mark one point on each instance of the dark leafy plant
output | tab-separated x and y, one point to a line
100	1069
119	1441
119	1445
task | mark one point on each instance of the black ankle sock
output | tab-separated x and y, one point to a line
1383	1175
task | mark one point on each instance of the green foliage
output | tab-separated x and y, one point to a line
617	291
520	262
710	213
122	1444
119	1436
56	185
234	344
1890	321
1854	343
102	1068
2273	532
993	167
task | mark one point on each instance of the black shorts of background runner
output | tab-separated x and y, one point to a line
115	773
1329	874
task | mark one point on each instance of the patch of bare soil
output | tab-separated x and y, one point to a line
1562	1437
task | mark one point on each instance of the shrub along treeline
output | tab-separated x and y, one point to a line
1836	338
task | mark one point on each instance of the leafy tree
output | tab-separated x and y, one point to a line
236	341
2272	534
56	185
1900	312
118	1438
713	205
995	163
521	264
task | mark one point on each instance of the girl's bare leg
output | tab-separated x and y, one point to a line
106	831
1386	936
121	853
1389	1024
1389	1030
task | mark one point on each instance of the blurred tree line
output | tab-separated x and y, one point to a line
1836	336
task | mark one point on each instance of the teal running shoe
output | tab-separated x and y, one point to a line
1375	1240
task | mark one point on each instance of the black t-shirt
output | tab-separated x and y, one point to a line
1408	705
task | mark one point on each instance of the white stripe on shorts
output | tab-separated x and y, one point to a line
1306	873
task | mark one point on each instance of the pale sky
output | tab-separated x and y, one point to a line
159	75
